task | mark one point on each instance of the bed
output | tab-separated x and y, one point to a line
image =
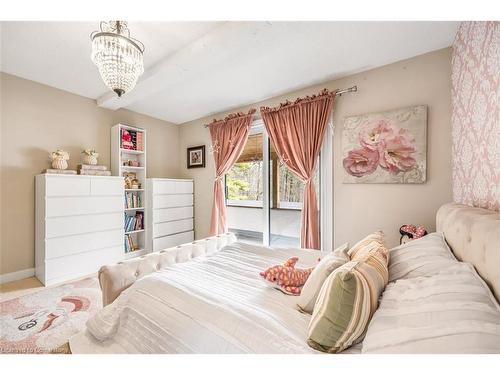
206	297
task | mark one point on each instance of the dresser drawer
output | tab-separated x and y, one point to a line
166	201
171	227
65	206
171	214
170	241
63	246
77	265
70	225
172	187
107	186
164	187
67	186
183	187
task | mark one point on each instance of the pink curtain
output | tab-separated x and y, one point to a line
297	131
229	137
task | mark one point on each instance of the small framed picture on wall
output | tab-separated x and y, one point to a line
196	157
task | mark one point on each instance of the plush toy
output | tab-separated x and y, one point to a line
411	232
127	140
288	278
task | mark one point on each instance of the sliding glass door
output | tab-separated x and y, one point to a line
245	192
263	197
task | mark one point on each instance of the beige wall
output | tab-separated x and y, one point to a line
358	208
36	119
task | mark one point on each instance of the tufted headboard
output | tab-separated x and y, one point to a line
115	278
474	236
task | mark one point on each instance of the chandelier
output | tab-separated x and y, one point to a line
118	57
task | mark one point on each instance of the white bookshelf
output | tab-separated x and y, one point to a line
119	157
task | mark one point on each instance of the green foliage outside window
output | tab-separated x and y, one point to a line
243	181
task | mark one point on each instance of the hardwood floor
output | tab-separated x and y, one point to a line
19	288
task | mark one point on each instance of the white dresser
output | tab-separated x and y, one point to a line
79	225
170	218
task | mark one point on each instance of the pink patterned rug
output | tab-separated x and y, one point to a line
42	321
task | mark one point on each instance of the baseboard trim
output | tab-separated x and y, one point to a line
18	275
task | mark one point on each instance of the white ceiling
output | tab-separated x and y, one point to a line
195	69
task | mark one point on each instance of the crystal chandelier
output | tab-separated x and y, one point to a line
117	56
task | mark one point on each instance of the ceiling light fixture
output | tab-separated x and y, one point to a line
118	57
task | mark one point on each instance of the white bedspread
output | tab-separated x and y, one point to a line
215	304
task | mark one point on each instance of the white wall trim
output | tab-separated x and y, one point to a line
326	189
18	275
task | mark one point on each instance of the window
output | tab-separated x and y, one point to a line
287	190
244	181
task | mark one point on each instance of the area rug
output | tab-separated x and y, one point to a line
43	321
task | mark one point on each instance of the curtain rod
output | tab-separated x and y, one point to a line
339	93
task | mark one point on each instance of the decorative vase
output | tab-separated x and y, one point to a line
89	159
59	163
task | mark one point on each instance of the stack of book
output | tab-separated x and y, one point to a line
133	223
93	170
139	142
132	200
59	171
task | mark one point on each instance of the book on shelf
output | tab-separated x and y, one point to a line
132	200
93	167
59	171
133	223
139	141
91	172
134	139
129	244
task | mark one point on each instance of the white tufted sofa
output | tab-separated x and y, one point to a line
115	278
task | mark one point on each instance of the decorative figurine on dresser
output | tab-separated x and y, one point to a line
89	164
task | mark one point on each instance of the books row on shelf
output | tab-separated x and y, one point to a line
133	200
129	244
134	222
132	140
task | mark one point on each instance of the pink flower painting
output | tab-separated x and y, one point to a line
361	161
386	148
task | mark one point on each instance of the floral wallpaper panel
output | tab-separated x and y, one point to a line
476	114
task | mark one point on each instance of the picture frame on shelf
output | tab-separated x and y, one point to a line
196	157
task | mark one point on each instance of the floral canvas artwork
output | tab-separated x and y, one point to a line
386	147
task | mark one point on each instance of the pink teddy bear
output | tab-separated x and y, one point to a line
288	278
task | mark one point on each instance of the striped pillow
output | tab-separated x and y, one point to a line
325	267
372	244
346	303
